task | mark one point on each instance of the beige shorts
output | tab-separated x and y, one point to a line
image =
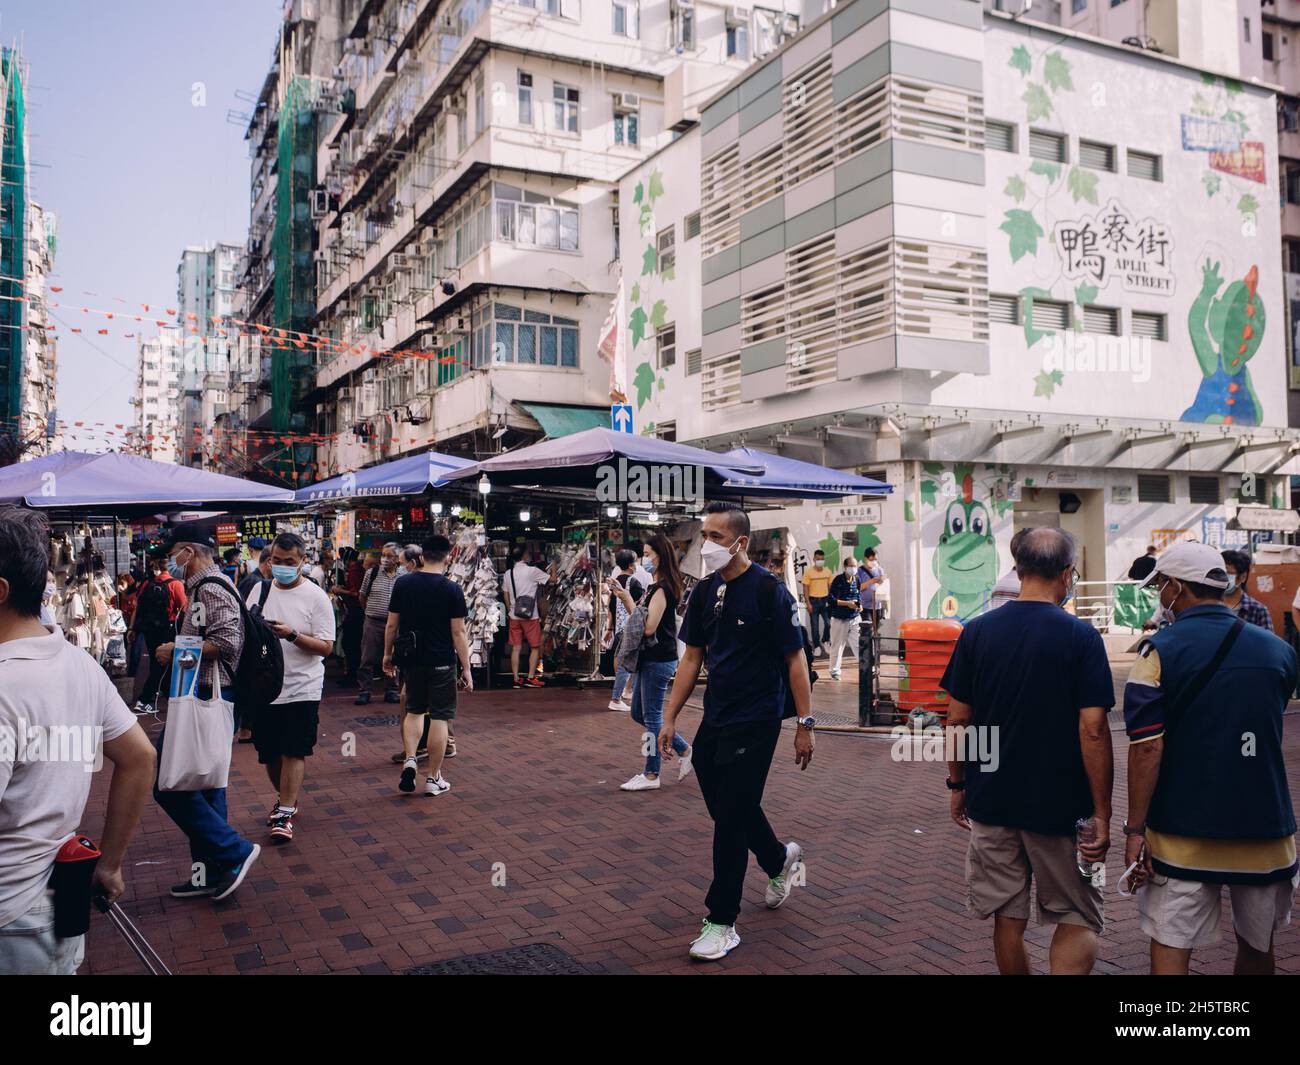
1001	863
1184	914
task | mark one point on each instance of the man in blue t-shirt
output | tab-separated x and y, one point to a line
1029	756
746	624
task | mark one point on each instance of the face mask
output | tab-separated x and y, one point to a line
1168	610
648	564
1232	584
284	574
49	593
850	573
715	556
174	568
820	564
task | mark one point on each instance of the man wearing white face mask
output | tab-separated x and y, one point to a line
1237	599
745	622
284	733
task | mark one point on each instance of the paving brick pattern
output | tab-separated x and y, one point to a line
379	882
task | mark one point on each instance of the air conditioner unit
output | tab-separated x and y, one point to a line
320	203
319	257
626	101
737	16
397	261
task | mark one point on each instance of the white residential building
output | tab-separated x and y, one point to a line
157	399
38	423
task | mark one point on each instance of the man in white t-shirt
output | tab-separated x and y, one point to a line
59	716
284	733
521	583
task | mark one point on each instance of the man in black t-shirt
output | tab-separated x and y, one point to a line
1034	682
747	625
427	608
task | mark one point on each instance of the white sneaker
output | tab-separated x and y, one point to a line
715	941
618	705
778	887
835	674
436	785
640	782
684	770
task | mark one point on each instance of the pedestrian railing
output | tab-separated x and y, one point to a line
1115	606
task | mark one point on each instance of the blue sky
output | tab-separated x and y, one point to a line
132	168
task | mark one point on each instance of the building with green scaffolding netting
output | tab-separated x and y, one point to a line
13	242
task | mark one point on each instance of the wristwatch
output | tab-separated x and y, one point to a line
808	722
955	785
292	637
1135	830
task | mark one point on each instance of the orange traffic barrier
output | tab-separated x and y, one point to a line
927	647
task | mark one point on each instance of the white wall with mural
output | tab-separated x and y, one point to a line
1198	246
654	196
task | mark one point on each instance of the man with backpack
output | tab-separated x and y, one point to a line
157	606
745	623
221	856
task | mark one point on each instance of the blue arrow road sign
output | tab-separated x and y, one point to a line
620	417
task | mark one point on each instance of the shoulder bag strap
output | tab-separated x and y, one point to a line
1203	678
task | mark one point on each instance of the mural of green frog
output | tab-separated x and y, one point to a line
965	560
1226	332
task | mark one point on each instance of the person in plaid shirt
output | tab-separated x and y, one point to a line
1245	605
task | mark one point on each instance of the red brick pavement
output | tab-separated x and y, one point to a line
379	882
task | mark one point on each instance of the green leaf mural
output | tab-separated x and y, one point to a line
669	274
932	468
1051	171
929	493
908	513
1248	205
1045	383
638	194
636	324
1024	231
1015	188
647	219
831	546
1020	60
636	292
656	186
649	260
643	382
658	315
1085	293
1027	296
867	537
1056	72
1082	184
1038	103
1212	183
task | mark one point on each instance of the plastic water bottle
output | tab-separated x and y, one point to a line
1084	834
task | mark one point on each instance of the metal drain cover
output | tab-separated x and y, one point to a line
535	959
377	720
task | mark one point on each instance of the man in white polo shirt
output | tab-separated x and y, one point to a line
59	713
284	733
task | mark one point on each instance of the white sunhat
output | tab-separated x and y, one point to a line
1191	561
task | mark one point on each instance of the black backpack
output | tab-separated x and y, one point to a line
152	620
767	607
259	674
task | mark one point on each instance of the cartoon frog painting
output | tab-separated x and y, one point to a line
1226	333
965	560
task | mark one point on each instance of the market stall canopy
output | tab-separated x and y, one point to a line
793	479
563	419
577	461
411	475
129	485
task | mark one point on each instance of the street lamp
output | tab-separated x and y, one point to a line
437	508
611	512
484	485
525	515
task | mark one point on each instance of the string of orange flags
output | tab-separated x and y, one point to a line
273	336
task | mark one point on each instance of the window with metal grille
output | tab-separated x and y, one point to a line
1048	146
691	227
1004	309
809	118
1097	156
694	361
1204	489
999	136
666	345
666	248
1155	488
1145	165
1051	314
720	200
1101	320
1150	324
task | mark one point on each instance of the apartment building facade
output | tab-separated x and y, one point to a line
38	418
157	432
208	297
981	259
468	225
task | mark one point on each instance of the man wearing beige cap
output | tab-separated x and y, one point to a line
1208	798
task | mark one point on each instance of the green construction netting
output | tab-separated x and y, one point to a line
13	229
293	368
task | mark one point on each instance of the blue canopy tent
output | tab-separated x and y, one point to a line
130	486
788	479
411	475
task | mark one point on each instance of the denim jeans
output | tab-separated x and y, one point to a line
29	947
201	815
649	689
621	677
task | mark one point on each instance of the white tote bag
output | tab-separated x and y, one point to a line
197	741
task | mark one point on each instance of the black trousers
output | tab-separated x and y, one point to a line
732	763
149	694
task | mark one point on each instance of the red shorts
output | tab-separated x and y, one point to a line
525	631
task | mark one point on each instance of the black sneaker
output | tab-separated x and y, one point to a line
187	890
362	699
407	782
228	883
392	697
